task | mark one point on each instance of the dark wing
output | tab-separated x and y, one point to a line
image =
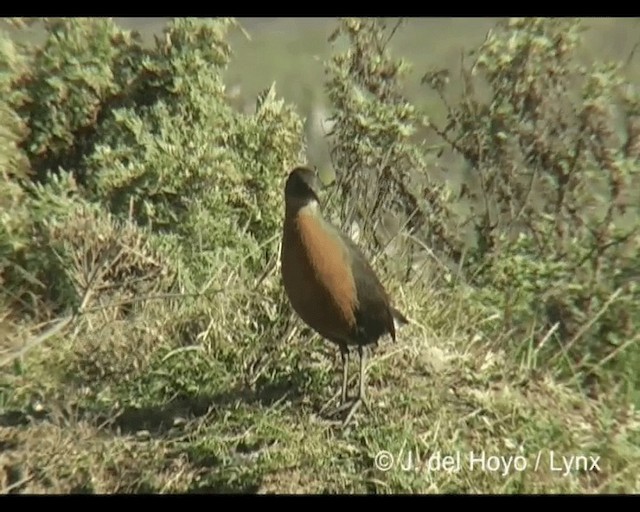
374	314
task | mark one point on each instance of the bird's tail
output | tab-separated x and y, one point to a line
398	318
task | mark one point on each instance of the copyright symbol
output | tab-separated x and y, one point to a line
383	460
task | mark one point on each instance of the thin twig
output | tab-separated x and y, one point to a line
393	32
52	331
553	329
15	485
617	351
160	296
631	54
587	326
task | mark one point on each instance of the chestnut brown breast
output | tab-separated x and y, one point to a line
318	277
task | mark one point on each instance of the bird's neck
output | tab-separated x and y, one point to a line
295	208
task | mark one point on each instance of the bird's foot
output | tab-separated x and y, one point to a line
335	411
360	401
350	407
326	410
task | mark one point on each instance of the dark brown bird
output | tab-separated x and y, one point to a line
330	283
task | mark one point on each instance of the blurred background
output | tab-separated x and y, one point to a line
291	52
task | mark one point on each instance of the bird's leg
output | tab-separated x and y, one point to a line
362	351
361	398
344	353
344	356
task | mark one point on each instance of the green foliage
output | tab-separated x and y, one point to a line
66	85
556	224
381	169
148	136
14	164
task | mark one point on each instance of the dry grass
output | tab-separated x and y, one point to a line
250	425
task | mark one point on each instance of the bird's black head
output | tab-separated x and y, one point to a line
302	186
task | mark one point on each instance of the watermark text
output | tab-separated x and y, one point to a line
502	464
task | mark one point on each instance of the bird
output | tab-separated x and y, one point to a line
330	284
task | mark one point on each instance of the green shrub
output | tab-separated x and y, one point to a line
147	136
553	150
380	169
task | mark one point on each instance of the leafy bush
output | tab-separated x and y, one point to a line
146	135
381	170
553	150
